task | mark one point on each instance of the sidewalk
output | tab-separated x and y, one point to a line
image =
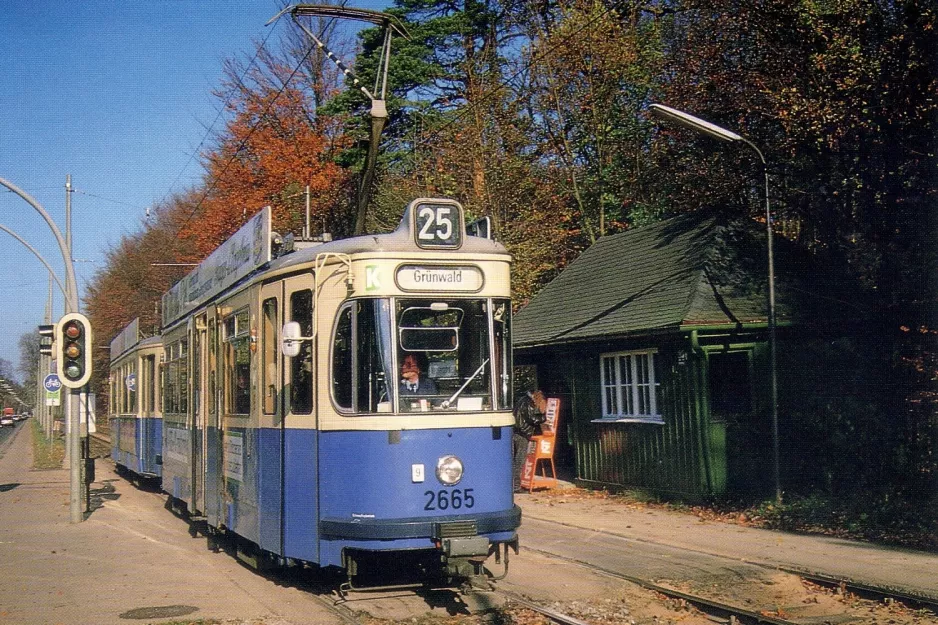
130	561
134	561
910	571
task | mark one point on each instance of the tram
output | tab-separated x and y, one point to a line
291	415
135	418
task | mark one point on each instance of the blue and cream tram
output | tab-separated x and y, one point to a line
135	418
287	422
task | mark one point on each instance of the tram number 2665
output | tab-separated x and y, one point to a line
455	498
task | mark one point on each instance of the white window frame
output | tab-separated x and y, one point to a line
627	388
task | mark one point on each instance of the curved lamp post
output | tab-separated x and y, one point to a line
71	305
712	130
71	302
39	256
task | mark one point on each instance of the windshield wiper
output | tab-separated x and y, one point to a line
448	402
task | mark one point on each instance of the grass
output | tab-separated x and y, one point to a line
47	453
875	517
879	517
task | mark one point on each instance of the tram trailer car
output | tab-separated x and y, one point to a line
285	419
135	419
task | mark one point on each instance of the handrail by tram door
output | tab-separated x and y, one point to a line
321	259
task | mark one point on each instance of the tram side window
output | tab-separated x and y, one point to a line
171	380
361	357
164	407
196	372
269	366
342	360
501	325
131	384
119	398
183	370
301	366
238	363
149	398
212	368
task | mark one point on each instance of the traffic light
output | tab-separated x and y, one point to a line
73	347
46	339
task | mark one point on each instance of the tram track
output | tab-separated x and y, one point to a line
886	595
841	586
718	610
712	608
554	615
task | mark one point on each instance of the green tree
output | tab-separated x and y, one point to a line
591	70
29	362
841	98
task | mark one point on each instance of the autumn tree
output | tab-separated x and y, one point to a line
136	273
271	151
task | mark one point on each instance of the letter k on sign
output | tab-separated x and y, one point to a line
371	278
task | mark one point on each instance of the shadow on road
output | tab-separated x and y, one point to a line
105	492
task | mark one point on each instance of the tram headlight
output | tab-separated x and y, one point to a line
449	470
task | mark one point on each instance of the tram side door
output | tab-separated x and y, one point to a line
212	484
300	433
269	376
198	341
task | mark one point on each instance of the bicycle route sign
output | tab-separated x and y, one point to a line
53	386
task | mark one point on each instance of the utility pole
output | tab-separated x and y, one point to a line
45	412
71	414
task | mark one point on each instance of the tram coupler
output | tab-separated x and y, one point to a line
463	558
513	543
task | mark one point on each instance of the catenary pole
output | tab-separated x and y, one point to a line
71	415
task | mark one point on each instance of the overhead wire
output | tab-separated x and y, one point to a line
221	110
251	131
105	199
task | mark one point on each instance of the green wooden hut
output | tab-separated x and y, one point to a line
655	340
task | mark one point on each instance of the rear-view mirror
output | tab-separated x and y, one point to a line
290	338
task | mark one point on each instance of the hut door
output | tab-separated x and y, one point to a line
734	431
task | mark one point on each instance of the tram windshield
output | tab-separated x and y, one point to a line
420	355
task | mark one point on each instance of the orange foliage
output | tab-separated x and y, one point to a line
271	150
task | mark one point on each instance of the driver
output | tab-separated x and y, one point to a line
413	382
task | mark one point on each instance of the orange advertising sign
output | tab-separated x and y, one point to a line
541	452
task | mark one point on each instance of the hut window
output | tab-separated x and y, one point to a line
629	386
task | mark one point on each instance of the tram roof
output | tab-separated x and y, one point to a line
150	341
400	241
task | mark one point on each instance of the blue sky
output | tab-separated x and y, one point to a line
119	95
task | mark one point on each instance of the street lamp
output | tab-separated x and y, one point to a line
71	305
702	126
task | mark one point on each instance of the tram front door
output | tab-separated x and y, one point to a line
299	427
197	437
